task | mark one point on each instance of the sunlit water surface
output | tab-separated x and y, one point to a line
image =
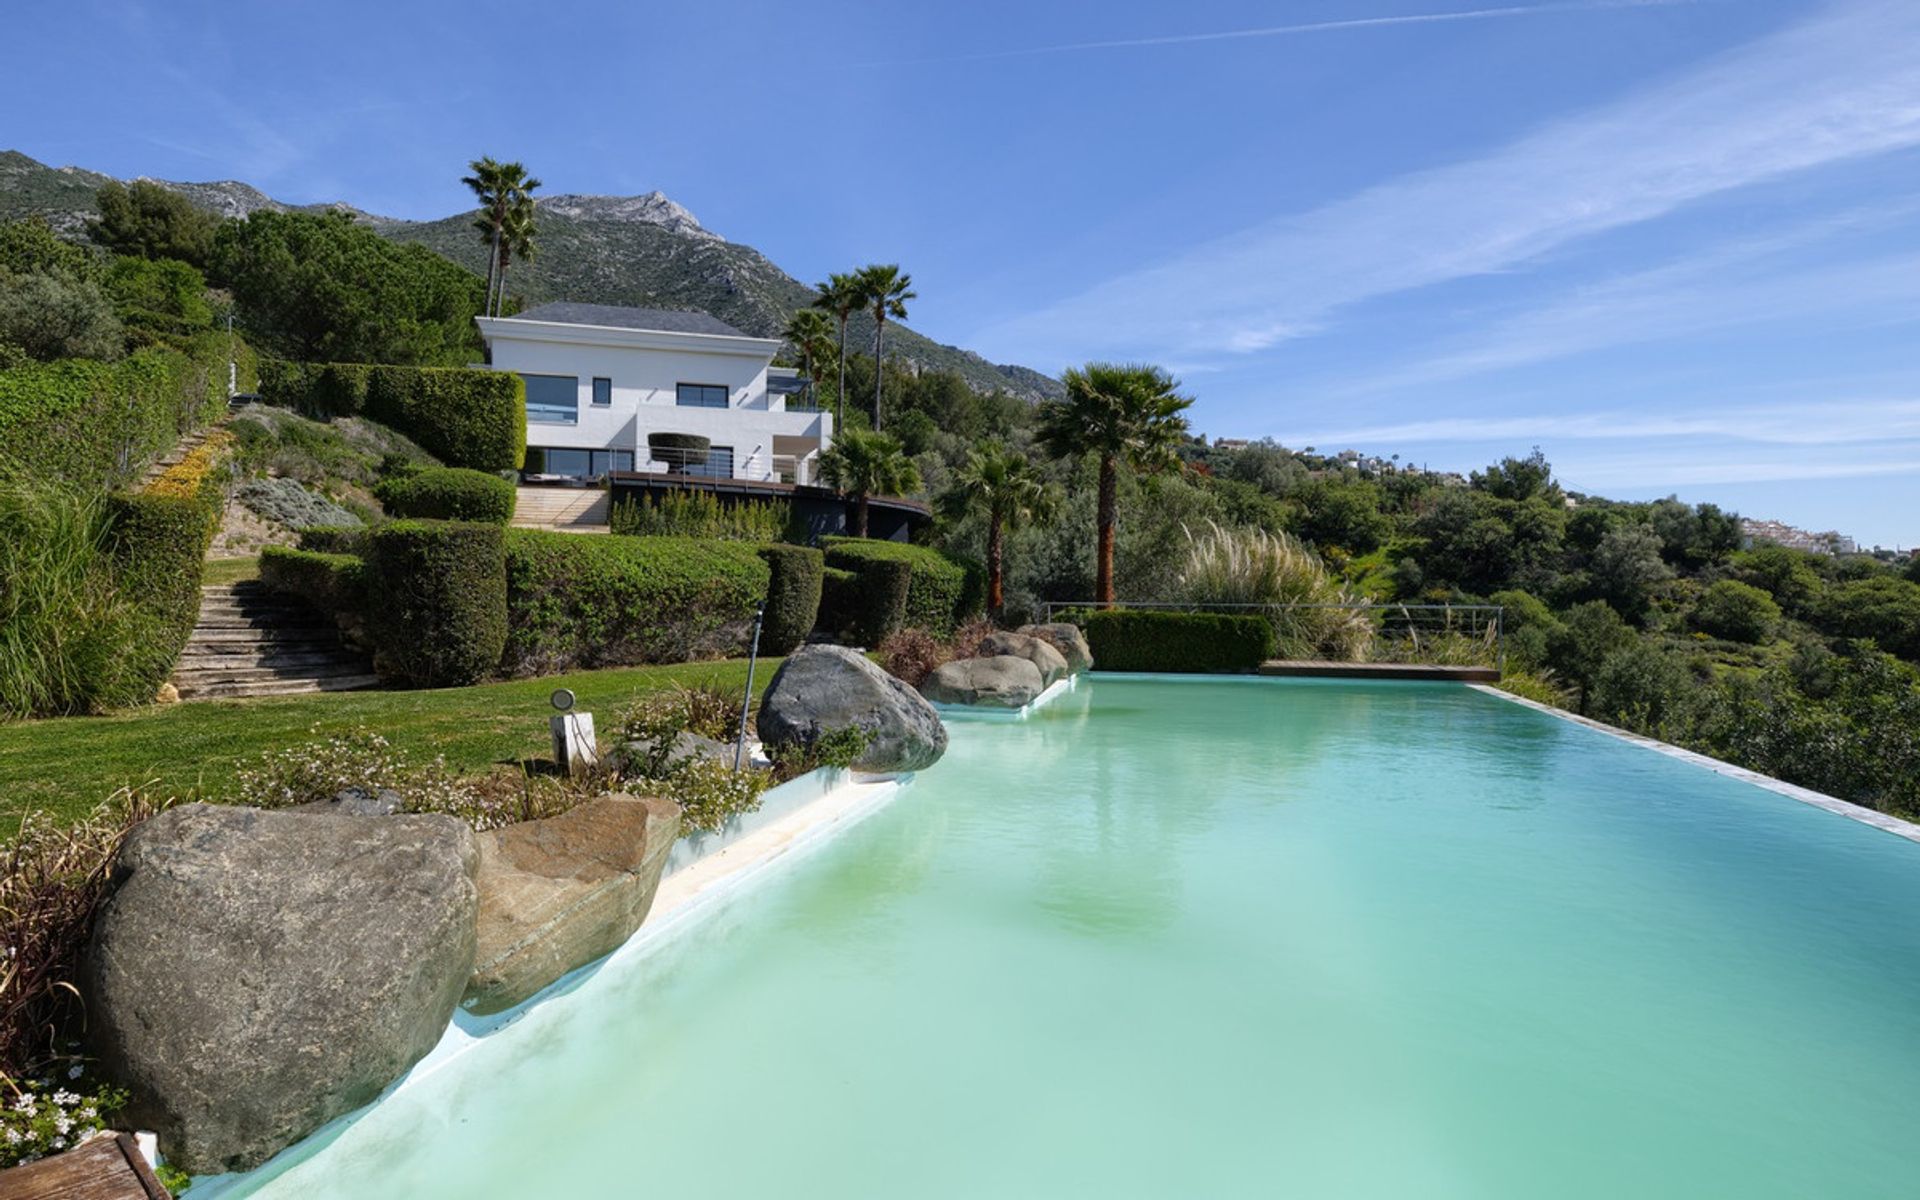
1235	938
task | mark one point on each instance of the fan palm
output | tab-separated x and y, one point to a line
863	463
516	238
500	188
1002	484
842	296
811	332
887	290
1124	414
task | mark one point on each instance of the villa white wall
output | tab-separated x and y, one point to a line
646	383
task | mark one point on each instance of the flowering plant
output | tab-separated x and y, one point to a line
45	1117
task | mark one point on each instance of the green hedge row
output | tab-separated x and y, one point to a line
336	539
793	596
437	601
335	584
1144	640
863	607
943	591
614	601
159	545
98	425
448	494
463	416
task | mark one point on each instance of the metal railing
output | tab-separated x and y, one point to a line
1430	634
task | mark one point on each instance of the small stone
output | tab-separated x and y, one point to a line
356	802
168	694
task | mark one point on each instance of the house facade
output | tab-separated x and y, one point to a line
612	389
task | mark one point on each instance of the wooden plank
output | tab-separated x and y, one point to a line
106	1168
1309	669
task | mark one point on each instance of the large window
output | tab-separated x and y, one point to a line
702	395
602	392
719	464
581	464
553	399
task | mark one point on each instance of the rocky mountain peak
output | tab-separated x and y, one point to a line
654	208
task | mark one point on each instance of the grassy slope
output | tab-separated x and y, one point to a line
70	764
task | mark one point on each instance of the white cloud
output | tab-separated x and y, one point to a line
1841	86
1813	423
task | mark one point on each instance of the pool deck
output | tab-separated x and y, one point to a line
1311	669
106	1168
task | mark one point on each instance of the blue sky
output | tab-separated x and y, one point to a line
1676	244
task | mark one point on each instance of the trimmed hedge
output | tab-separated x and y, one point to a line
615	601
865	606
336	539
793	596
448	494
464	416
437	601
1146	640
943	592
159	538
335	584
98	425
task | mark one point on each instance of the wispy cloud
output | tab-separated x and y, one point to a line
1838	87
1312	27
1810	423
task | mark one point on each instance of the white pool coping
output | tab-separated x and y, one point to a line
1793	791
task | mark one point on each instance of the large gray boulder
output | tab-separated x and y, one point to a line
1003	681
559	893
1068	639
820	689
1053	666
645	757
256	974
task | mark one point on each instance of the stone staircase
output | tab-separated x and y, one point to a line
251	641
566	509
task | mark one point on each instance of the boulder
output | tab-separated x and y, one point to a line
1068	639
168	694
1052	664
1003	681
559	893
820	689
637	757
355	802
254	975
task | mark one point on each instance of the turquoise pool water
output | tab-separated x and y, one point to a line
1235	938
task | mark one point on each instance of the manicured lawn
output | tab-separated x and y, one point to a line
230	570
70	764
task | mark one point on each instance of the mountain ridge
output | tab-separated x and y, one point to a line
645	250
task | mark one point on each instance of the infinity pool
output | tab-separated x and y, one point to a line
1234	938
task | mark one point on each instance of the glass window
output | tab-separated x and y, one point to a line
568	462
602	392
702	395
553	399
719	464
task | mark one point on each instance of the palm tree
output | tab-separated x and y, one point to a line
516	237
1123	414
864	463
842	296
500	187
811	332
1004	485
887	290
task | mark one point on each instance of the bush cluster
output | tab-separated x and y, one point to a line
866	605
1145	640
942	592
464	416
793	596
617	601
158	540
700	515
448	494
335	539
333	583
437	601
291	503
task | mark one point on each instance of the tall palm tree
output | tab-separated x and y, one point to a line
887	290
864	463
811	332
1124	414
1003	484
499	187
842	295
516	237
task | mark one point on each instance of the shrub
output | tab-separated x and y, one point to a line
838	748
1738	612
464	416
1252	566
448	494
159	542
793	596
332	583
864	606
1646	687
1142	640
910	655
1582	641
335	539
617	601
1884	608
289	502
437	601
1540	688
699	514
942	590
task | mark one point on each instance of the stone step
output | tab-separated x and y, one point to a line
309	635
305	621
197	658
296	687
202	676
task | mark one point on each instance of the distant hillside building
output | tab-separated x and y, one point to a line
1782	534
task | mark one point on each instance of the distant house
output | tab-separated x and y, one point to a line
608	388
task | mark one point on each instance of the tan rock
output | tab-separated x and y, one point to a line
1067	639
168	694
557	894
1052	664
1002	681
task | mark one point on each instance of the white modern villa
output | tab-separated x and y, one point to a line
603	380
